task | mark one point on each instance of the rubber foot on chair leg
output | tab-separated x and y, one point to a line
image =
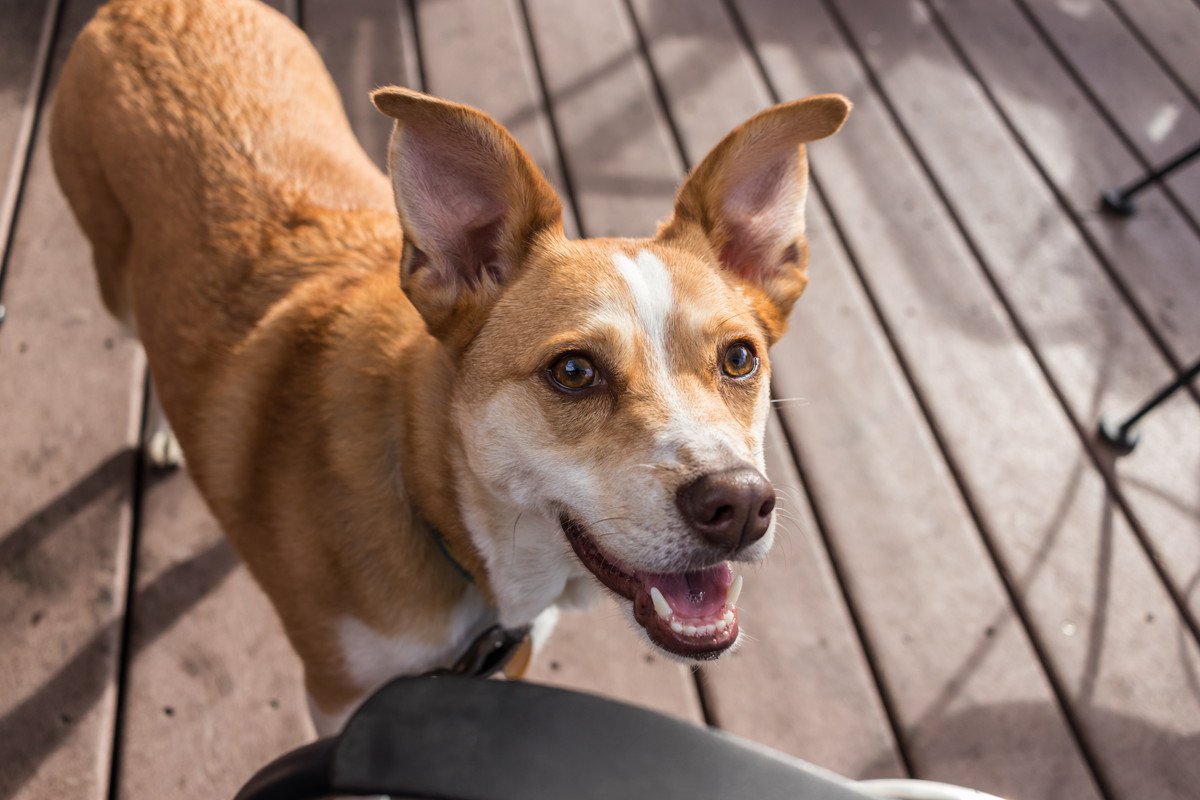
1121	440
1117	202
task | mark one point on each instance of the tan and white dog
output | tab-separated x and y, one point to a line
353	394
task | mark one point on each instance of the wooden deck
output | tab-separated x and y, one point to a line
970	587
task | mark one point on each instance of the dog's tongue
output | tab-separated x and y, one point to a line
692	594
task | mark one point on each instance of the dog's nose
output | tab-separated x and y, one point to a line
730	509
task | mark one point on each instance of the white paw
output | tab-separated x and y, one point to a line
163	450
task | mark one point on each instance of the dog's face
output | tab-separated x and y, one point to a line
620	387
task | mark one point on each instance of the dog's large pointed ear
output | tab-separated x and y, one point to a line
470	201
746	199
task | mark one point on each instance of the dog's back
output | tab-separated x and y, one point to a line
173	113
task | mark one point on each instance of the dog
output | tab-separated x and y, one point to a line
415	407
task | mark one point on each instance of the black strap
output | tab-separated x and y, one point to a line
489	653
456	738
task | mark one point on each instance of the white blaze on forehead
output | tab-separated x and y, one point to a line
653	293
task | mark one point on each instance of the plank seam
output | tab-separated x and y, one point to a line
926	410
1090	758
410	37
1097	250
1089	442
124	649
1152	51
1101	108
660	92
31	120
547	106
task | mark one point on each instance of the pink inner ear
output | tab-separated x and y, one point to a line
761	210
449	187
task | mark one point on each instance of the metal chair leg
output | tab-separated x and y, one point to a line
1120	201
1120	435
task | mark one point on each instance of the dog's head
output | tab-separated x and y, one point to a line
619	386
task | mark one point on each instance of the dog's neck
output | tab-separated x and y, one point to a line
429	453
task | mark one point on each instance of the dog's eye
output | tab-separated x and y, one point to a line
574	373
739	360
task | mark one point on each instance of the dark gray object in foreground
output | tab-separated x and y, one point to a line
461	738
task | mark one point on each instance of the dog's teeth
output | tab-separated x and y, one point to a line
727	617
677	626
722	624
660	603
735	591
690	630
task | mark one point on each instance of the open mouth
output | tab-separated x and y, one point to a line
690	614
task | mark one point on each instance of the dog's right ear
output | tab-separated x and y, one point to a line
470	201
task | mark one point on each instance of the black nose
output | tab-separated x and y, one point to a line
730	509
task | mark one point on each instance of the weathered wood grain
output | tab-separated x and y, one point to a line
213	690
1151	109
478	52
1155	253
623	164
947	645
361	44
28	28
1099	613
1171	28
70	397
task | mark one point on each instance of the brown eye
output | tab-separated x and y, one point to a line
574	373
739	361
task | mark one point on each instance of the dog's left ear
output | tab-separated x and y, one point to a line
470	200
746	198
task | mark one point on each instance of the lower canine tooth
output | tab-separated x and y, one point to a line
735	591
660	603
728	617
722	624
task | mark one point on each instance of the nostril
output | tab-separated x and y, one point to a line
721	515
766	508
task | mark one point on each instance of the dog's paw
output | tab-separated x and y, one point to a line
163	451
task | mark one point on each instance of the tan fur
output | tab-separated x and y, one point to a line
238	226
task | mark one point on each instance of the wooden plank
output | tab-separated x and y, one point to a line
477	52
361	44
1155	252
213	690
1160	119
28	29
944	637
1171	28
1114	642
1095	351
598	651
70	396
624	166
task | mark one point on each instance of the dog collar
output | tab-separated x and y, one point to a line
497	648
440	541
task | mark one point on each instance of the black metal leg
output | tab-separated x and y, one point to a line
1120	201
1120	434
